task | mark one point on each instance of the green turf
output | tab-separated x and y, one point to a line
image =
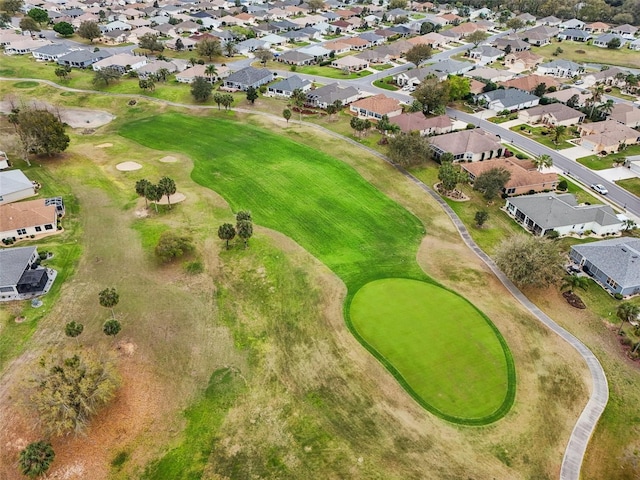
321	203
438	342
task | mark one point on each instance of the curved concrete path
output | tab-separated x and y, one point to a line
588	420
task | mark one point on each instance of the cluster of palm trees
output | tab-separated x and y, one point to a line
149	191
243	228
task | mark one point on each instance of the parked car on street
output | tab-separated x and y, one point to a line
600	188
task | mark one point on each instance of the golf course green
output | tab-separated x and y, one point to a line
363	236
445	351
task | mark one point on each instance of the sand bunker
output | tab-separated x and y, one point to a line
168	159
175	198
74	117
104	145
128	166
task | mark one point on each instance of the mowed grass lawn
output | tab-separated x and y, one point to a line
622	57
443	347
323	204
341	219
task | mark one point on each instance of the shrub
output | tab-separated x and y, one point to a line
194	267
618	296
523	127
262	89
172	246
521	156
552	234
470	126
563	185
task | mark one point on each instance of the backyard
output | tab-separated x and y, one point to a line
544	135
602	162
584	53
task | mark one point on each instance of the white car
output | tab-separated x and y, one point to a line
600	188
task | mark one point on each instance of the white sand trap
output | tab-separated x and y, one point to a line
168	159
104	145
175	198
128	166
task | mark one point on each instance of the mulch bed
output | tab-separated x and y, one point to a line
574	300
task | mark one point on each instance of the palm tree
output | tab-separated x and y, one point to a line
168	187
230	48
36	458
574	281
629	224
627	312
596	97
299	98
210	71
226	232
606	108
559	131
163	74
543	161
141	190
109	298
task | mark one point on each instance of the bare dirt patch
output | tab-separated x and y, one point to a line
574	300
74	117
104	145
128	166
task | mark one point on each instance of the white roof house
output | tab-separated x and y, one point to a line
14	186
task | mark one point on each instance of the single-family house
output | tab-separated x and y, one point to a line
550	21
626	114
152	68
114	37
573	94
540	35
373	56
467	145
350	63
552	114
465	29
635	45
337	47
33	217
449	67
526	17
82	58
376	107
117	25
251	45
20	276
24	46
356	43
529	83
285	87
4	161
316	51
188	75
521	61
7	36
122	62
524	179
574	34
508	99
544	212
248	77
626	31
274	40
485	54
417	122
295	57
560	68
603	40
188	44
14	186
490	74
327	95
50	53
372	38
513	44
613	263
572	23
606	77
607	136
597	27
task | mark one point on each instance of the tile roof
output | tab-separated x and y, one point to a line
378	104
476	141
520	175
26	214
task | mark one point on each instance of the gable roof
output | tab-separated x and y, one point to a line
332	92
14	261
559	111
550	210
617	258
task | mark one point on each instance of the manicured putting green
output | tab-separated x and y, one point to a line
450	357
362	235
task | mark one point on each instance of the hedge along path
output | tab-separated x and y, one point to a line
359	233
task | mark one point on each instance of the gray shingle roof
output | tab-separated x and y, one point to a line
13	181
510	97
618	258
550	210
14	261
290	84
248	76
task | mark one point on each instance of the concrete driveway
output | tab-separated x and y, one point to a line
576	152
